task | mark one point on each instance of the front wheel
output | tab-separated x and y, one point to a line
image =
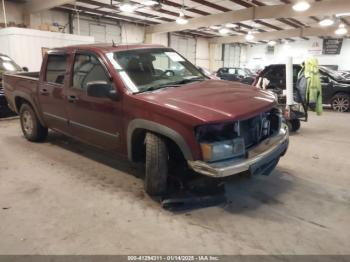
295	125
341	102
31	126
156	164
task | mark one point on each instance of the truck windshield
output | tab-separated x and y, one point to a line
7	64
151	69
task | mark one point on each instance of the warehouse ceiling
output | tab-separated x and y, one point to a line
167	12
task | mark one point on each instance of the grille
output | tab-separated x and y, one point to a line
256	129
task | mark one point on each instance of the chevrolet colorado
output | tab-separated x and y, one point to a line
148	103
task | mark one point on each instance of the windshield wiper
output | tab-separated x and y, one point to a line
189	80
173	84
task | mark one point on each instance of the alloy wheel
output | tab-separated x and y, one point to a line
341	104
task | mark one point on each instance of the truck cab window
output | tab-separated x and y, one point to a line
56	69
87	69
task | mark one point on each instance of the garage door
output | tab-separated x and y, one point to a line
186	46
102	32
232	55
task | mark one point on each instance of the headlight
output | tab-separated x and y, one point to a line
222	150
220	141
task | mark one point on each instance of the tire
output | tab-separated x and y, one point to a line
30	124
295	125
156	165
341	102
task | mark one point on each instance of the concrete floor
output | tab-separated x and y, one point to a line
62	197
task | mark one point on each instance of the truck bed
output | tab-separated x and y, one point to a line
25	84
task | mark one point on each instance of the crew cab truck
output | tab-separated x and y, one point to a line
148	103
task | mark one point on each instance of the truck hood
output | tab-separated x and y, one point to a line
212	100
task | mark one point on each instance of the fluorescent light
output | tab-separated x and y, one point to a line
231	25
181	20
215	27
150	2
224	31
342	14
341	30
249	36
127	8
326	22
301	6
272	43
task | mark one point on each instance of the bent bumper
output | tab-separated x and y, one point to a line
262	154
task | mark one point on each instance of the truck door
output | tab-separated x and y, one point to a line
51	91
95	120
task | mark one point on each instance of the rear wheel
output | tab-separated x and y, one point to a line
31	126
156	164
341	102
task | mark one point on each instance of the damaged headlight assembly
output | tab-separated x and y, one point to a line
220	141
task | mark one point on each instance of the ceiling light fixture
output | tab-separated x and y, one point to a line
249	36
231	25
181	20
301	6
223	31
150	2
342	14
215	27
127	7
272	43
341	30
326	22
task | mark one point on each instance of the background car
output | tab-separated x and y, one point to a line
207	73
243	75
6	65
335	87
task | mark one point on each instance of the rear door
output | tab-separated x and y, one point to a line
94	120
52	92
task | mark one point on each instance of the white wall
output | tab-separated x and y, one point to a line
257	57
25	45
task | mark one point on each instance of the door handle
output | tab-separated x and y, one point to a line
72	99
44	92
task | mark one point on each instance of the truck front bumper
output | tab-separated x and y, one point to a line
259	158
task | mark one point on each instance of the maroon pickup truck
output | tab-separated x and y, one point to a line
148	103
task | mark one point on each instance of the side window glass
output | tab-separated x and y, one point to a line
56	69
232	71
87	69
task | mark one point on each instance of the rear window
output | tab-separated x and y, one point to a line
56	69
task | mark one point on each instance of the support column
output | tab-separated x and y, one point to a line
212	60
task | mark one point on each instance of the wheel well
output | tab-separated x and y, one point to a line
139	149
340	93
19	101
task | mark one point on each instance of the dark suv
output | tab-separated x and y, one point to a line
335	88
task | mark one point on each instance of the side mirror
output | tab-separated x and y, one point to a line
25	69
324	79
101	89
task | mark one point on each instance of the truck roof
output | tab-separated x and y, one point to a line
107	47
